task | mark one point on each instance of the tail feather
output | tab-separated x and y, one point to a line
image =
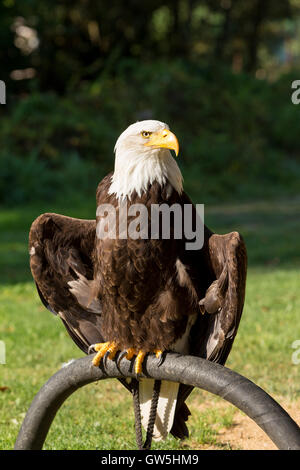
165	408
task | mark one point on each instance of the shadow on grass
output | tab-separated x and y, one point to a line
270	229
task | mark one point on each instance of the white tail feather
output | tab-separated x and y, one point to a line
165	408
168	390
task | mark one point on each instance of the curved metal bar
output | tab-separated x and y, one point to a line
189	370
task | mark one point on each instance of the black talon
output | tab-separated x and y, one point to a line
105	357
90	348
121	355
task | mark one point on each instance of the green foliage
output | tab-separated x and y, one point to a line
30	179
238	135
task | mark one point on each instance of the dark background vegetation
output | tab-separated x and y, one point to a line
219	72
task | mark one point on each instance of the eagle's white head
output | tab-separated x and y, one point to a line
142	156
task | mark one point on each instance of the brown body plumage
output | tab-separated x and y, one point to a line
145	305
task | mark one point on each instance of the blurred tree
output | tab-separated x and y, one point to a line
65	43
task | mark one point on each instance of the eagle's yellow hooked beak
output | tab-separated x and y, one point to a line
163	139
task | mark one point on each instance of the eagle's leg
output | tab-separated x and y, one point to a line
102	349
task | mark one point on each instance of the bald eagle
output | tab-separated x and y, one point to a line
143	294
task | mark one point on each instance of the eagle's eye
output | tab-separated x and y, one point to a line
146	134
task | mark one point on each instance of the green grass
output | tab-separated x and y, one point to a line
100	416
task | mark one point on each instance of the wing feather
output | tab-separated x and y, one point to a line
61	250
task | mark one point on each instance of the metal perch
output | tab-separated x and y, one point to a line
189	370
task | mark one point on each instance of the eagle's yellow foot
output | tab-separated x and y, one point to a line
103	348
139	358
140	355
139	362
130	353
158	353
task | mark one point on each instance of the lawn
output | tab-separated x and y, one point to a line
100	416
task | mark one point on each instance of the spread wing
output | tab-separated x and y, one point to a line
222	306
60	250
218	274
224	299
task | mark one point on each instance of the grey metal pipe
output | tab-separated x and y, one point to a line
189	370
